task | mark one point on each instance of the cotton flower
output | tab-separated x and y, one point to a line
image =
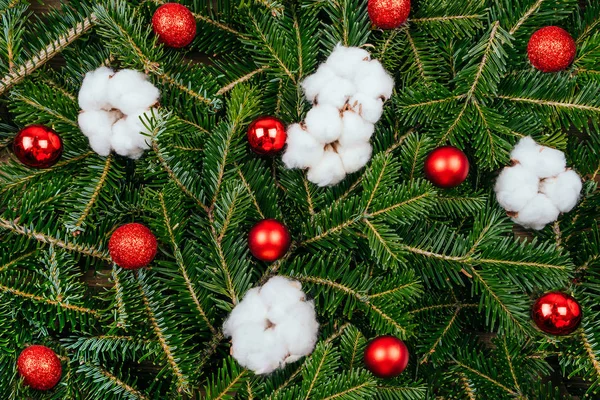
313	84
355	129
563	190
369	108
544	161
93	95
131	92
372	80
346	60
516	186
272	326
355	157
97	126
303	150
329	171
336	92
537	213
324	123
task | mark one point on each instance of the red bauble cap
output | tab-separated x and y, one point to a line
269	240
447	167
551	49
388	14
174	24
132	246
40	367
386	356
267	136
557	313
38	146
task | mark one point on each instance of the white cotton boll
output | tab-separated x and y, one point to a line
257	348
93	94
300	330
248	311
344	60
373	80
369	108
282	292
355	129
97	126
537	213
124	140
303	150
131	92
515	187
139	132
314	84
544	161
336	92
329	171
355	157
563	190
324	123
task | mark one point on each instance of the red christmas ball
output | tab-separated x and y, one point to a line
38	146
386	356
132	246
388	14
557	313
447	167
267	136
174	24
269	240
40	367
551	49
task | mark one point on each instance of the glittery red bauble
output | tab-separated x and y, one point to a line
174	24
556	313
267	136
269	240
38	146
388	14
40	367
446	167
386	356
132	246
551	49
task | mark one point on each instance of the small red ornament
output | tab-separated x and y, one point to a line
447	167
267	136
388	14
386	356
269	240
38	146
174	24
132	246
40	367
551	49
557	313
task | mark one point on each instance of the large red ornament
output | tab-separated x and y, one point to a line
551	49
40	367
38	146
132	246
447	167
386	356
174	24
267	136
269	240
388	14
557	313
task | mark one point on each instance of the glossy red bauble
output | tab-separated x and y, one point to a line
269	240
174	24
132	246
557	313
38	146
551	49
386	356
267	136
40	367
447	167
388	14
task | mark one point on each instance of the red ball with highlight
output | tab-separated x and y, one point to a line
269	240
551	49
447	167
40	367
174	24
386	356
38	146
557	313
388	14
132	246
267	136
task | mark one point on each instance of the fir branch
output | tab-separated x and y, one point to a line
268	46
510	364
250	192
171	81
432	349
444	19
16	260
242	79
556	104
394	290
415	51
116	381
11	4
119	294
467	387
101	181
590	352
536	6
41	107
487	378
484	60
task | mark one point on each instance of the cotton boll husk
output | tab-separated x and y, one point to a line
324	123
131	92
344	60
300	329
372	79
281	292
355	157
93	94
329	171
251	309
563	190
515	187
537	213
336	92
544	161
371	109
314	84
303	150
355	129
